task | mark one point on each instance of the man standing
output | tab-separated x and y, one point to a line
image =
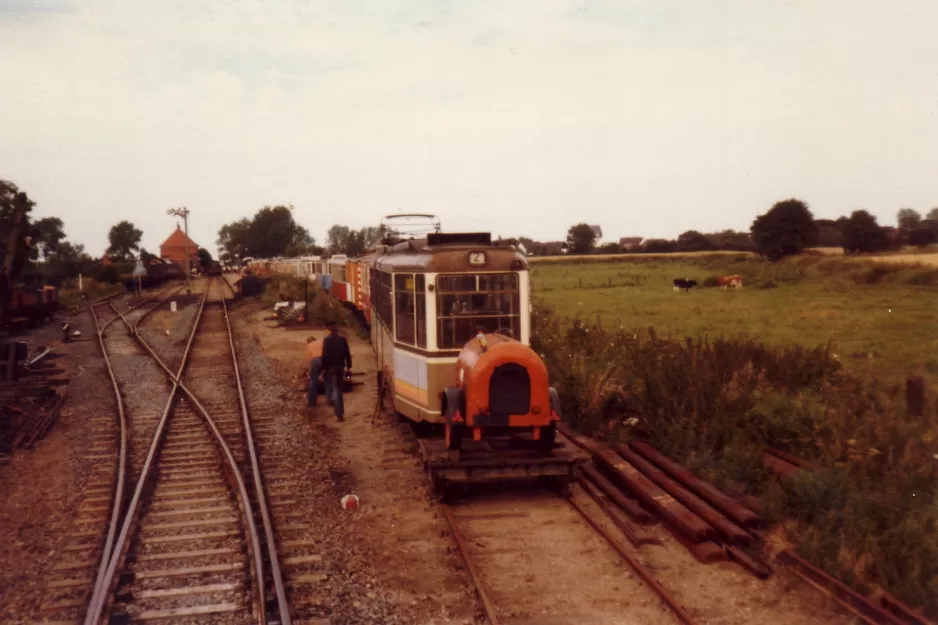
335	354
314	353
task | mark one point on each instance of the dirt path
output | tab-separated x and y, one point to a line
397	538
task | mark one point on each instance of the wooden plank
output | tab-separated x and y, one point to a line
189	590
190	570
198	610
185	554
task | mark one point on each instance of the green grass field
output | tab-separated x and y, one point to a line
879	316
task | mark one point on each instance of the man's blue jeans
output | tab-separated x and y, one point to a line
334	391
315	366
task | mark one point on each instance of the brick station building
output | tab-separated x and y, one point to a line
178	247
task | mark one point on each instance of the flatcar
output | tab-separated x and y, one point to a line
449	316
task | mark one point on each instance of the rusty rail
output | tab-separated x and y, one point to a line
682	614
630	506
118	494
276	572
636	535
849	599
728	530
726	504
476	578
647	492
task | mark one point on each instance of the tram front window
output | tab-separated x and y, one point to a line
467	302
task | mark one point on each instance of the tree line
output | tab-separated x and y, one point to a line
272	232
787	228
44	253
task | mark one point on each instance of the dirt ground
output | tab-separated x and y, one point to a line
41	489
395	545
403	541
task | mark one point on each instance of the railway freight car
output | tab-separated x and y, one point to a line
33	303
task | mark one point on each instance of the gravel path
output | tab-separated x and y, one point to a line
350	592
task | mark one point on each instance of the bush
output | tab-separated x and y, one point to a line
108	274
715	405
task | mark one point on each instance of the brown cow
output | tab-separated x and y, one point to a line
734	281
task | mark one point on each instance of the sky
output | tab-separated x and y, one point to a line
520	117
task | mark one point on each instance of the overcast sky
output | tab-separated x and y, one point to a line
520	117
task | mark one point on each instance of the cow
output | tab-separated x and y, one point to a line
681	283
734	281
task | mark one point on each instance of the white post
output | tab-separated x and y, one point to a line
80	288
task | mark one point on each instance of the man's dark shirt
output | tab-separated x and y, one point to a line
335	352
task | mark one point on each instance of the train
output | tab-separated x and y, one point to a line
35	303
449	317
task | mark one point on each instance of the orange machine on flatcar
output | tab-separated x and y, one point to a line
502	386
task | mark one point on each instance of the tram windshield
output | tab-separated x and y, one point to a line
466	302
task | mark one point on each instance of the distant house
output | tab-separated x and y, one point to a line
630	243
178	248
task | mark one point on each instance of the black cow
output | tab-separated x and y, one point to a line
681	283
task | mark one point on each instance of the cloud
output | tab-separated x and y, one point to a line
522	117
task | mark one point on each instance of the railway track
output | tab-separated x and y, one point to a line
68	582
187	546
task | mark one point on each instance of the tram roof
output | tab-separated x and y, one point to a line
450	255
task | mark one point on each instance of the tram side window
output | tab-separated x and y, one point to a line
466	302
421	293
405	308
382	296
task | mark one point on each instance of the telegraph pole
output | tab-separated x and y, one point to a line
184	213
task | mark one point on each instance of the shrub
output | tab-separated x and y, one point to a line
107	273
868	515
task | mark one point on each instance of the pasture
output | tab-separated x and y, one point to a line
878	317
742	379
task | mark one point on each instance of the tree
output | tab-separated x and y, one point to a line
9	193
659	246
730	240
932	215
146	256
581	238
863	234
908	218
923	236
271	231
48	235
232	240
124	239
205	258
785	230
693	241
344	240
829	233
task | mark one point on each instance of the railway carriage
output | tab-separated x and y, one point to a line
449	317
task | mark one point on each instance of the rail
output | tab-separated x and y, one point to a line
117	497
276	571
103	589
